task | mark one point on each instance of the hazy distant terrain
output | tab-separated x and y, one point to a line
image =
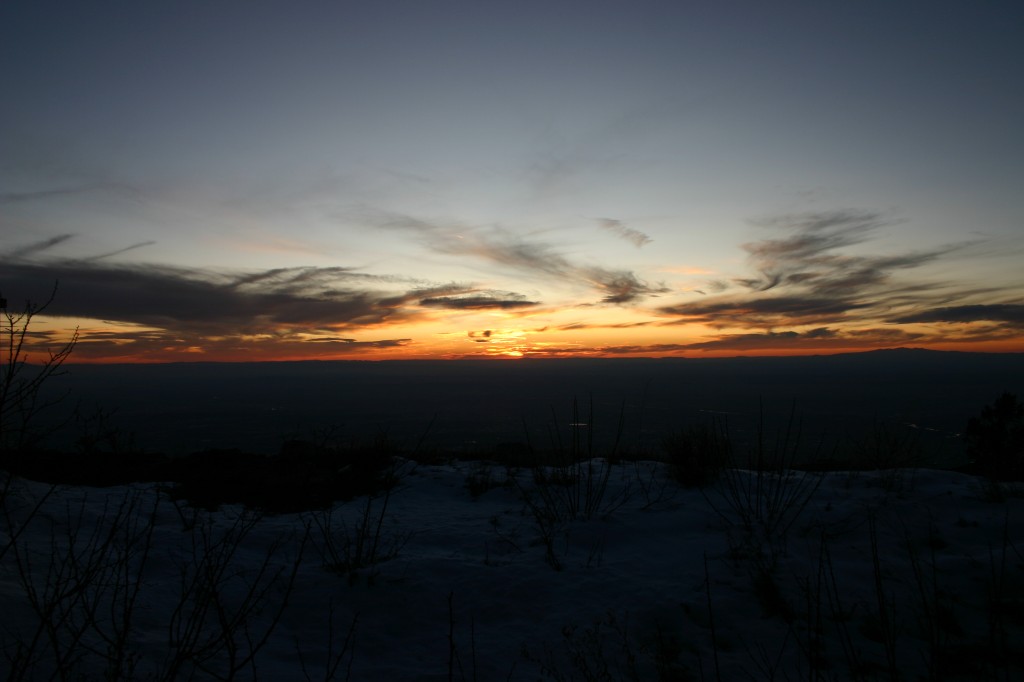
477	404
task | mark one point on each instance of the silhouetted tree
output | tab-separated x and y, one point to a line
995	439
696	455
21	382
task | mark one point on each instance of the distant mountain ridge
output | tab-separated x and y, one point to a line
256	406
897	352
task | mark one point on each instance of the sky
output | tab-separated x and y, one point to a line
266	180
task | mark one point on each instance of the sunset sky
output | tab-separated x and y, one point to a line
432	179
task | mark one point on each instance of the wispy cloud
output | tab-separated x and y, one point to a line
808	276
631	235
577	326
164	345
199	300
500	336
362	345
729	311
7	198
821	338
810	256
36	247
817	339
200	307
1011	313
118	252
495	300
617	286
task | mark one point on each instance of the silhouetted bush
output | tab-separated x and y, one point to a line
98	469
995	439
696	455
515	454
320	475
213	477
300	477
22	399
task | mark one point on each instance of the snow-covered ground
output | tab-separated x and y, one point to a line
901	574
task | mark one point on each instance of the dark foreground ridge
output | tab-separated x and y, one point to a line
300	477
285	436
309	476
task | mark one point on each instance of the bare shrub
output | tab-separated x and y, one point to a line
349	548
698	454
21	382
769	494
82	589
225	612
995	439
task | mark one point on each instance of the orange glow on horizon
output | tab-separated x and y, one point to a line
82	356
111	343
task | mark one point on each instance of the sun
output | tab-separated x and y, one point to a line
503	343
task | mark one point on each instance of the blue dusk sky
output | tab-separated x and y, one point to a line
287	180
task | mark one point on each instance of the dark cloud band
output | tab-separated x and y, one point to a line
1011	313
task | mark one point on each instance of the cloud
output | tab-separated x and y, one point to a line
618	286
159	310
501	301
817	339
817	232
352	343
766	311
35	247
715	286
200	300
183	307
643	349
118	252
163	345
765	341
822	338
810	255
506	339
7	198
808	276
294	280
1012	313
576	326
616	227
